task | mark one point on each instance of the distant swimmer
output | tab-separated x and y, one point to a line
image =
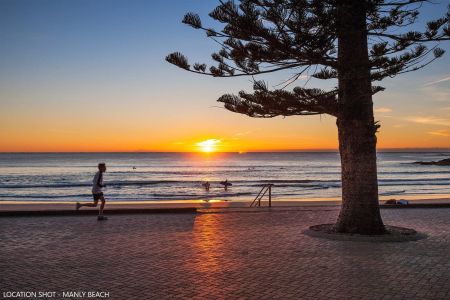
226	184
206	185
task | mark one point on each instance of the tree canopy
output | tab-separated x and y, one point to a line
265	36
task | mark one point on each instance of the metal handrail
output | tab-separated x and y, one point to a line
266	188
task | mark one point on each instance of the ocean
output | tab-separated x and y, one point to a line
67	177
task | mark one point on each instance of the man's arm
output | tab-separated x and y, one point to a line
99	180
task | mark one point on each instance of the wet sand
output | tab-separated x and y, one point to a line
49	205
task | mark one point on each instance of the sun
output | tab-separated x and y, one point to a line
208	145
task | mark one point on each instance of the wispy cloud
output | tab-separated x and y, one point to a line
383	110
63	131
442	132
291	80
430	120
245	132
438	81
240	135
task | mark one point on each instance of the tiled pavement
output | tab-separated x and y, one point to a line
236	255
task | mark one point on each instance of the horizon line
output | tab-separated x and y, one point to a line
408	149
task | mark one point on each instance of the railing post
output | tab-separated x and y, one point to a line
270	195
266	188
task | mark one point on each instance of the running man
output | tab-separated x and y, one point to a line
97	192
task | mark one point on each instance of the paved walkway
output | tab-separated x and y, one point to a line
236	255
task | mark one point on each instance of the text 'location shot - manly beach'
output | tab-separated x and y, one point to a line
236	149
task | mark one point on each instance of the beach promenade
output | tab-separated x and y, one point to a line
222	254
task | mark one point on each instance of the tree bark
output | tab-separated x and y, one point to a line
360	211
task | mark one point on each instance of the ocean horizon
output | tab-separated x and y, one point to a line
379	150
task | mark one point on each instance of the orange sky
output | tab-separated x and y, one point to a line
238	133
150	123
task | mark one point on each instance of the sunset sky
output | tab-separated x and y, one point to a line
91	76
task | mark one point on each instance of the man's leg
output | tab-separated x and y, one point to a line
89	204
102	199
100	212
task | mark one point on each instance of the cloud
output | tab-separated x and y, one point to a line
383	110
209	143
440	96
438	81
430	120
245	132
292	80
442	132
436	92
240	135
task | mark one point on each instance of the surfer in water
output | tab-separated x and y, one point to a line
226	184
206	185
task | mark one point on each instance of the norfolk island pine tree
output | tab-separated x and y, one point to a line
356	42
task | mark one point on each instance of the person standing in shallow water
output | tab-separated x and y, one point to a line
97	192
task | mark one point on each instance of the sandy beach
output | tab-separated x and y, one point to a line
49	205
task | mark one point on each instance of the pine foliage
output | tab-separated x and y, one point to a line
264	36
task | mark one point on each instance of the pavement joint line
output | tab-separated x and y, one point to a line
201	211
205	210
30	213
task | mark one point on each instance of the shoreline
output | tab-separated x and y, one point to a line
11	205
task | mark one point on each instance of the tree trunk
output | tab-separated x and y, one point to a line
360	211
